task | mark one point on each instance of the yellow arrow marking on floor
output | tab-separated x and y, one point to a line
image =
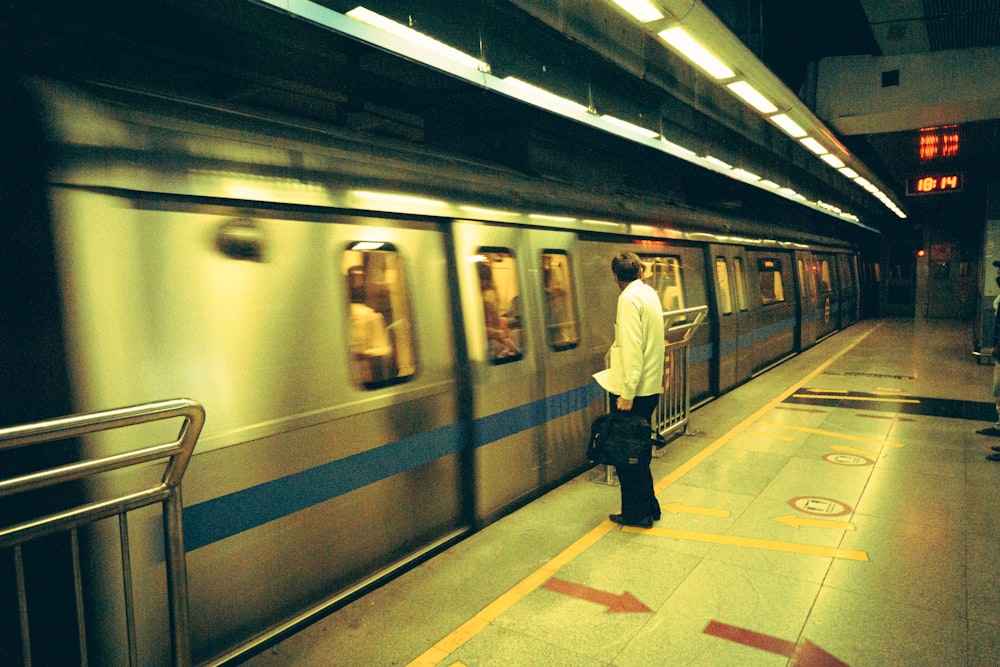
828	391
798	521
681	508
732	540
855	450
832	434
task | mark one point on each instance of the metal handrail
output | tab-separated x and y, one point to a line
677	322
166	491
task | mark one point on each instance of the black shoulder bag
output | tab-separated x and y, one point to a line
621	439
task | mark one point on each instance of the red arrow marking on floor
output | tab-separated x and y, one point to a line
625	602
803	654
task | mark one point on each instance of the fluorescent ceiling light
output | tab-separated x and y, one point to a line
543	98
388	198
848	172
642	10
788	125
745	175
717	162
553	218
832	160
631	127
862	181
675	148
696	53
399	30
770	184
367	245
751	96
814	146
476	210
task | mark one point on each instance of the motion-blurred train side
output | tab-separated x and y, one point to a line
392	346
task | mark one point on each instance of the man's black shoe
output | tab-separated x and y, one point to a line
993	457
995	449
645	522
992	430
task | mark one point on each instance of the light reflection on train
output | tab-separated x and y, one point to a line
379	379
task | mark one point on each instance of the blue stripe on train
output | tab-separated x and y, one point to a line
228	515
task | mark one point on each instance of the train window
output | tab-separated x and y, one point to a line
802	278
561	325
740	284
811	270
772	290
380	343
722	286
495	269
664	275
847	274
825	284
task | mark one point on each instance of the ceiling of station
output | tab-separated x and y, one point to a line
790	36
243	52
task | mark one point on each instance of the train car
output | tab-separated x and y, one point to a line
392	346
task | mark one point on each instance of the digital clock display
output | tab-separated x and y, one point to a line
935	183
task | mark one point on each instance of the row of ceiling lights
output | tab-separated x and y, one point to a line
647	12
677	38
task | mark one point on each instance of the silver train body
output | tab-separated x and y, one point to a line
206	254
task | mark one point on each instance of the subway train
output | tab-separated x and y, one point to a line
392	345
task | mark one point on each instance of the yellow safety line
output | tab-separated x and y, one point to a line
733	540
858	398
742	426
491	612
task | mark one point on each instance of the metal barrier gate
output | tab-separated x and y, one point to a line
167	492
671	416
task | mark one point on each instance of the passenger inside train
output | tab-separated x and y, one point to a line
559	301
373	358
500	336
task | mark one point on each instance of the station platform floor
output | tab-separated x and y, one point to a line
836	510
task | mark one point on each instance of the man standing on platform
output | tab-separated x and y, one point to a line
995	429
637	365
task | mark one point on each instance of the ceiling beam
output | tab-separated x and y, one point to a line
898	25
876	94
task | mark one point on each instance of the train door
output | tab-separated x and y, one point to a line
849	297
735	320
693	291
774	307
827	293
550	320
492	270
807	299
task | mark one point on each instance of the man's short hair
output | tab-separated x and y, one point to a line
626	266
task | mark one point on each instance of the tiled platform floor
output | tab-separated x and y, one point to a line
829	512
